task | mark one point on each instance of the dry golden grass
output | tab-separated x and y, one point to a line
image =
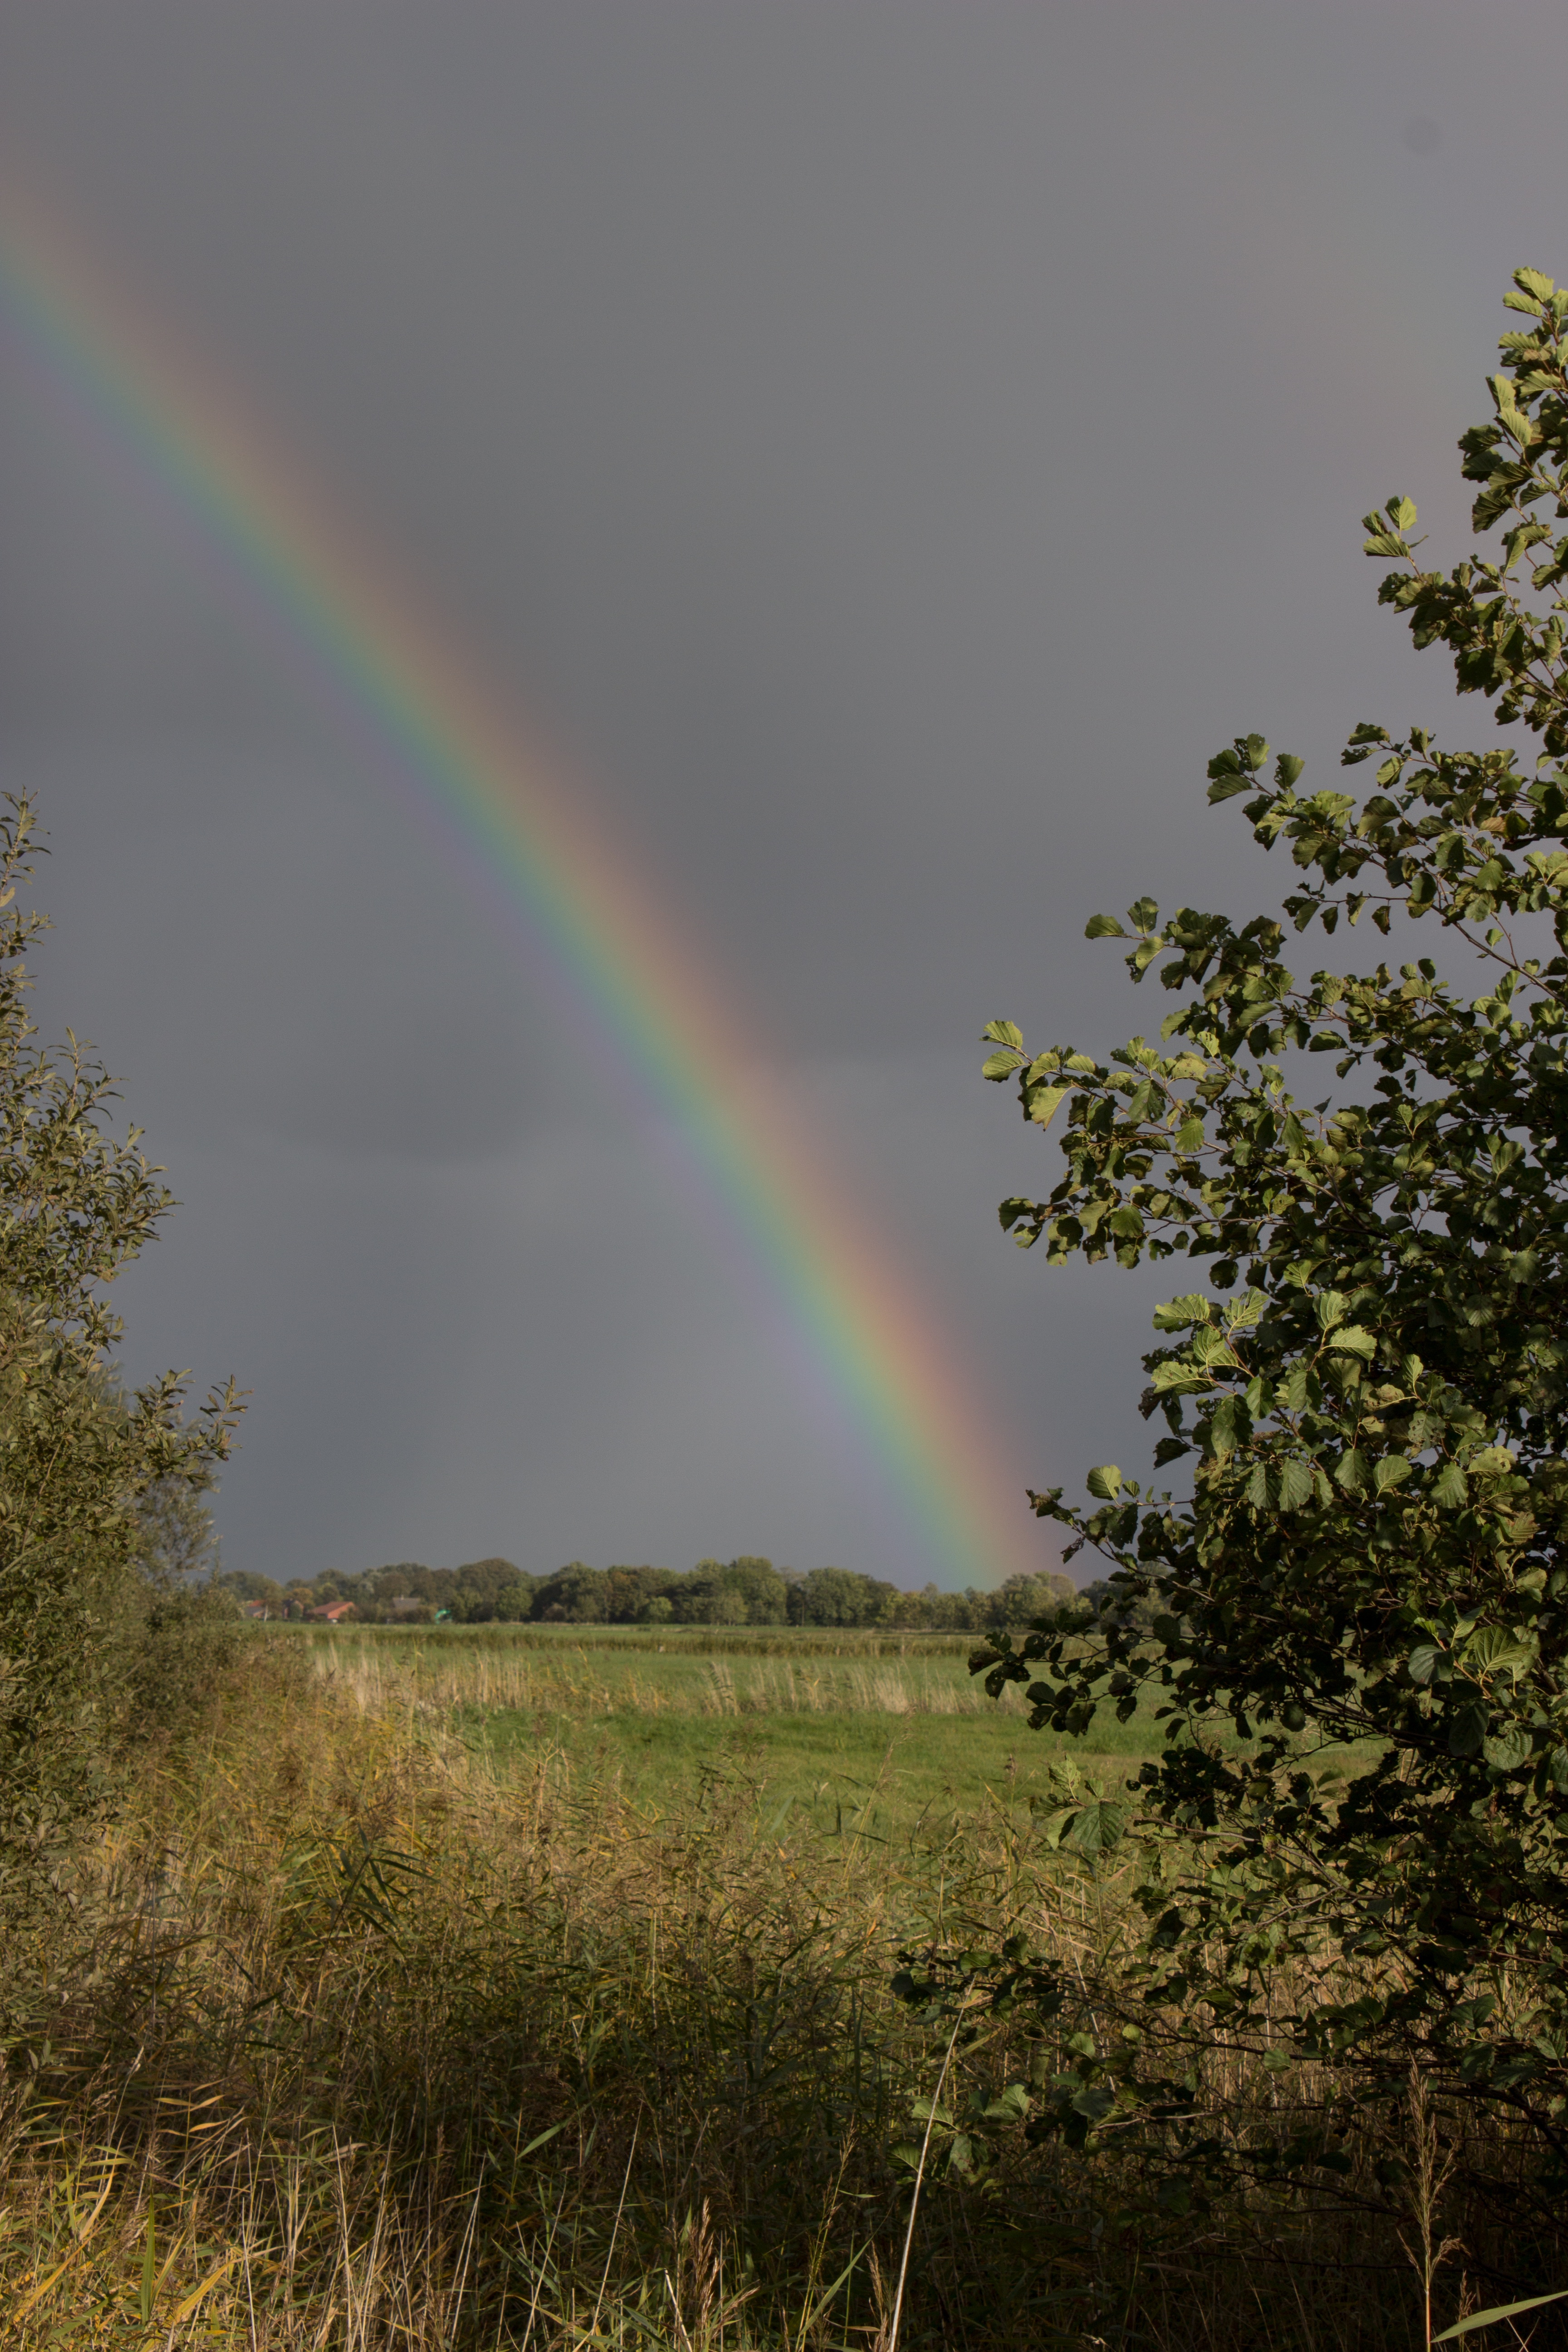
354	2048
601	1677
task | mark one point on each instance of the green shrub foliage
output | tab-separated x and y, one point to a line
1368	1394
81	1466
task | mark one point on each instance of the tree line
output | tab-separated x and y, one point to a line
747	1591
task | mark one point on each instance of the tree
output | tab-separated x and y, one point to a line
84	1470
176	1539
841	1596
1024	1600
575	1594
1370	1393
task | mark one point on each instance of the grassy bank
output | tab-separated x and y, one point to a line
390	2019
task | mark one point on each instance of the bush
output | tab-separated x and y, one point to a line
80	1464
1371	1562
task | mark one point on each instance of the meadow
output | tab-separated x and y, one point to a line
533	1987
888	1732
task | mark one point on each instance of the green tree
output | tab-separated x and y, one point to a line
841	1596
575	1594
246	1584
1370	1393
631	1590
85	1471
176	1540
1025	1599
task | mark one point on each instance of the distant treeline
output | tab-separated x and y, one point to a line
749	1590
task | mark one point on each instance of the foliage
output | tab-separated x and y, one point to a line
1371	1556
175	1629
78	1461
176	1540
746	1591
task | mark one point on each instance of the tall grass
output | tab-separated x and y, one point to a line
607	1677
355	2046
658	1640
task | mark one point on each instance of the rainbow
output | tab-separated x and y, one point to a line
886	1366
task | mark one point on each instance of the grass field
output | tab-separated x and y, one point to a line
529	1990
873	1735
861	1735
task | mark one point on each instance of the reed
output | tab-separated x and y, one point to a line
604	1676
359	2043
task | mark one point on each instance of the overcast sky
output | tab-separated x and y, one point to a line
892	447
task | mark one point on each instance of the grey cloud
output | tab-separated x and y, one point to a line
888	449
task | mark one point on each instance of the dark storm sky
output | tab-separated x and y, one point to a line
891	446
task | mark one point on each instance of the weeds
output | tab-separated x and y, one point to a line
362	2047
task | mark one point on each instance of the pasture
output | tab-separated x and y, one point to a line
887	1734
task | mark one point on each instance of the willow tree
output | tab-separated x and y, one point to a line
81	1463
1365	1383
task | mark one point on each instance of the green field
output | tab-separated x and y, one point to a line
877	1736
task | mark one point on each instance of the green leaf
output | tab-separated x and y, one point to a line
1097	1828
1491	1650
1536	282
1467	1730
1226	788
1001	1032
1002	1064
1181	1313
1354	1340
1508	1750
1388	1471
1351	1471
1103	926
1295	1484
1424	1662
1497	2311
1449	1487
1230	1427
1491	1461
1331	1306
1096	2103
1044	1102
1105	1480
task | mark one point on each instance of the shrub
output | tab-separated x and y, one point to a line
78	1461
1372	1557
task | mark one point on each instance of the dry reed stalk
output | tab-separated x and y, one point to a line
379	2048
